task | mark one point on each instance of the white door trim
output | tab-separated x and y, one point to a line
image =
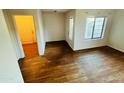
21	51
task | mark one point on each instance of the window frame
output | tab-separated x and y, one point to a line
102	30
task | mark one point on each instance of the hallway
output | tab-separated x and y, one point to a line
30	50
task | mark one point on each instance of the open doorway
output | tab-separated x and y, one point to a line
26	30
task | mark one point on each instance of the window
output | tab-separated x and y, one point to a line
94	27
71	24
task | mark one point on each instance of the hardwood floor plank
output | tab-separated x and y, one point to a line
61	65
30	50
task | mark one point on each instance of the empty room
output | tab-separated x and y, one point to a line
62	45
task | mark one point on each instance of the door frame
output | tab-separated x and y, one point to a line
18	40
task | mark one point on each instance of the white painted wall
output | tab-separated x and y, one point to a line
54	26
67	16
116	38
9	69
80	25
16	44
40	32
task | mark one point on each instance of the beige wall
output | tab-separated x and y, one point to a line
9	69
116	38
54	26
26	30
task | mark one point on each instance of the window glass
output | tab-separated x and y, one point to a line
71	23
94	27
89	27
98	28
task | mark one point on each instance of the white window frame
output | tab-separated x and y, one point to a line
103	27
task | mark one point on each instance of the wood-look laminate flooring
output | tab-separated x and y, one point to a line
30	50
60	64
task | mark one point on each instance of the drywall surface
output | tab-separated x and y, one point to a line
116	38
15	42
9	69
40	32
25	28
67	16
80	26
54	26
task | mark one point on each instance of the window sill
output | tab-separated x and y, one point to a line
93	38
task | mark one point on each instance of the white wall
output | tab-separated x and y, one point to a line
40	32
80	24
54	26
9	69
67	16
116	39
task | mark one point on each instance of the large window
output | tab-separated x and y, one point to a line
71	26
94	27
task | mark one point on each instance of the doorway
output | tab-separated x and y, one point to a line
25	27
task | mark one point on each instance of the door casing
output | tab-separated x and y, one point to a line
21	51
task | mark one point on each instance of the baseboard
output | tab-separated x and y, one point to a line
116	49
29	43
91	48
20	59
55	41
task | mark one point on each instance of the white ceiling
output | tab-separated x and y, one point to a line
57	10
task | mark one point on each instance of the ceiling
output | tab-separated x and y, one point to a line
55	10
